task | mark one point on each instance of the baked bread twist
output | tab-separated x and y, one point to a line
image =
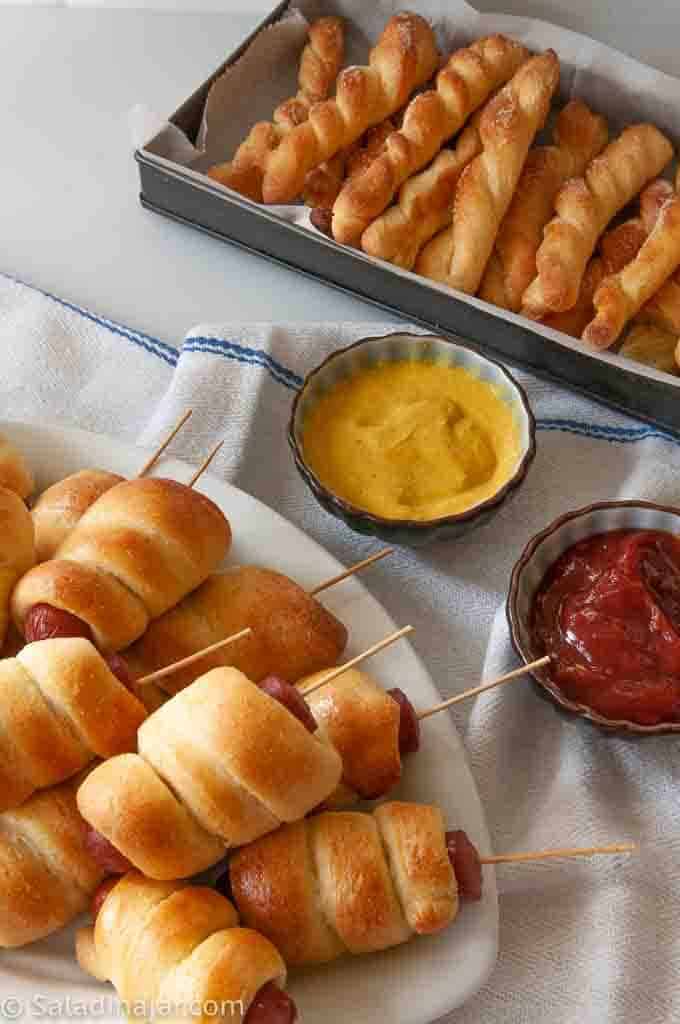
15	474
319	65
219	765
347	882
136	552
507	128
323	183
46	874
163	945
361	720
464	83
17	550
579	135
662	311
292	633
617	247
584	206
61	507
425	203
622	295
60	707
404	58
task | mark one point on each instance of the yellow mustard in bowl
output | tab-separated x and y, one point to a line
412	440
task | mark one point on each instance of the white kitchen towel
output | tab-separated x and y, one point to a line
593	941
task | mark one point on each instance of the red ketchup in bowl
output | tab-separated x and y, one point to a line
608	611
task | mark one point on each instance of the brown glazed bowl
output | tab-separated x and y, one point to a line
398	348
541	552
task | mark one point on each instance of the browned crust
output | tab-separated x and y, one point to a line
46	875
293	634
61	506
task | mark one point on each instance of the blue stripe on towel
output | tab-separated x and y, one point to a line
151	345
288	378
229	349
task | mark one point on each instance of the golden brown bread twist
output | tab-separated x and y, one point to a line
507	128
219	764
319	65
140	548
347	882
579	136
61	507
17	550
176	948
646	343
464	83
293	635
404	58
46	874
584	206
622	295
323	183
425	203
15	474
617	247
60	707
663	309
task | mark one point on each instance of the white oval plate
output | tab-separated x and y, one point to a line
412	984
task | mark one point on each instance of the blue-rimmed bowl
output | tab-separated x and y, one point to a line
400	347
541	552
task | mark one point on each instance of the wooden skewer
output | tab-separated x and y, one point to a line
334	673
350	572
573	851
191	658
204	465
164	444
522	670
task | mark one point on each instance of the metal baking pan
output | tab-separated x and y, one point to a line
170	189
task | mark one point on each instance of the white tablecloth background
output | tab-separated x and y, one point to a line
581	942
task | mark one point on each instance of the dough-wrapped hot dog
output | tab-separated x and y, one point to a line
362	722
178	950
292	636
60	707
17	550
347	882
140	548
219	765
60	508
47	876
15	473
